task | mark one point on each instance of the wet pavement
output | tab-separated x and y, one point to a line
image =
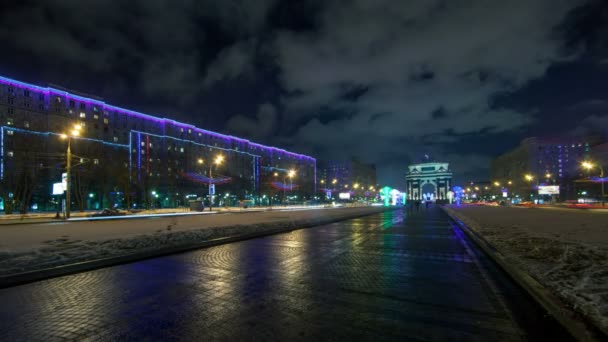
390	276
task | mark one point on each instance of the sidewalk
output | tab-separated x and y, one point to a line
28	247
564	250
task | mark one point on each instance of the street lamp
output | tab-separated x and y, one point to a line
589	165
290	174
217	161
75	132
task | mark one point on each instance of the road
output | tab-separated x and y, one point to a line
390	276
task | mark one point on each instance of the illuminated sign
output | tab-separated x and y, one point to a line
548	189
64	181
58	188
344	195
505	194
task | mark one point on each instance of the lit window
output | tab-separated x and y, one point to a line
182	130
189	131
10	153
26	93
181	149
10	89
82	160
26	124
96	116
143	144
9	122
10	132
105	121
200	134
95	109
96	161
83	115
151	145
115	139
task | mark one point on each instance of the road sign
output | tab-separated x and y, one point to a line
64	181
211	189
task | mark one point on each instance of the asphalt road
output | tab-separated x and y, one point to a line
390	276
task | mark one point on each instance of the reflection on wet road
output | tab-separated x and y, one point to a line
388	276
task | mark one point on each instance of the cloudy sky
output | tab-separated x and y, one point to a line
382	80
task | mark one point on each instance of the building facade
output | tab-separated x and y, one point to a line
549	161
428	181
340	176
127	158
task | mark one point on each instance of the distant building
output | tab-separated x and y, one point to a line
548	160
599	154
428	181
346	174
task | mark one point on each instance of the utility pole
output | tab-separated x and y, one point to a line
68	179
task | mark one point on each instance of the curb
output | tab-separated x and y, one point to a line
58	271
575	323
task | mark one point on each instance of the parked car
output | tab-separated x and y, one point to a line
109	212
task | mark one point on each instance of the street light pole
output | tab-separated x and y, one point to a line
68	179
589	165
74	133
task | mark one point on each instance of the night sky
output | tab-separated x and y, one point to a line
384	81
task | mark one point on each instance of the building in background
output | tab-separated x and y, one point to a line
428	181
543	161
350	175
129	159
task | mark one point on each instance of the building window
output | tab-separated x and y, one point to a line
72	104
95	116
181	130
11	101
83	115
82	106
115	139
58	99
181	149
105	121
40	107
95	109
9	122
96	161
41	97
10	89
26	124
26	93
189	131
10	132
10	153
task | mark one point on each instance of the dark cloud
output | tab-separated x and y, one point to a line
382	80
261	128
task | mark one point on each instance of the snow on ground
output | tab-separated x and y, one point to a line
566	250
28	247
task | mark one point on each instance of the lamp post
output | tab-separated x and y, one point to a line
218	160
75	132
589	165
289	174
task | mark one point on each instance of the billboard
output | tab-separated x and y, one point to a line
548	189
344	195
